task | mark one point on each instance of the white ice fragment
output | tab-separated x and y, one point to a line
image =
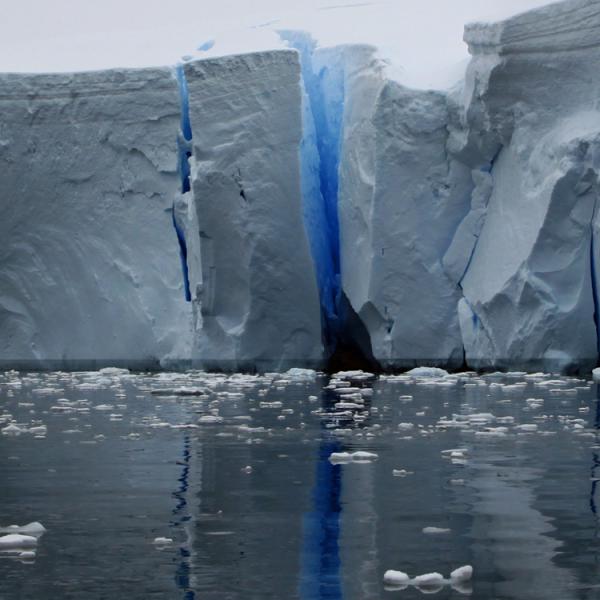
596	374
34	528
162	541
301	374
248	469
464	573
13	429
429	580
27	554
401	472
114	371
527	427
395	577
16	540
208	419
436	530
427	372
348	457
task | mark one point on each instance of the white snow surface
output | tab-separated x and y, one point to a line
422	40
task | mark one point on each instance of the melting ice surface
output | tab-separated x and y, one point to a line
499	472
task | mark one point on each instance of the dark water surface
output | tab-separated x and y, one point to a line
255	508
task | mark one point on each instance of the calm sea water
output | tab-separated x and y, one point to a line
239	477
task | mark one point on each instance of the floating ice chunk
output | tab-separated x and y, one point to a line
248	469
428	580
34	528
27	555
16	540
39	430
301	374
114	371
396	577
596	374
348	457
436	530
405	426
461	574
427	372
13	429
162	541
208	419
528	427
401	472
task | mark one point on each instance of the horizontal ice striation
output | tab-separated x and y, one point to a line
531	100
89	260
257	304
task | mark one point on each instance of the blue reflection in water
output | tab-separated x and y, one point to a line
180	516
320	578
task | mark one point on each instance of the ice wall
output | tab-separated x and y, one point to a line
531	101
257	304
89	260
288	207
401	199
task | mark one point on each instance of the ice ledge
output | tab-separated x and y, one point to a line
559	27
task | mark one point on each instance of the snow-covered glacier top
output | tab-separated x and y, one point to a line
421	40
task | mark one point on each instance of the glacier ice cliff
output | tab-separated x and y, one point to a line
256	302
294	206
530	109
89	265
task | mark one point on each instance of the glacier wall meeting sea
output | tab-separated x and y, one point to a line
299	207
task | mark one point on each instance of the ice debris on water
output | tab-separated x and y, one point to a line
436	530
359	456
14	541
34	528
428	580
162	541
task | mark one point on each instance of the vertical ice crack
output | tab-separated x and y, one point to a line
323	107
184	140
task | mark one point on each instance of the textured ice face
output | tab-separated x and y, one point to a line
529	286
89	265
245	211
258	303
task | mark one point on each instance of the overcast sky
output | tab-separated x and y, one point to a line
423	37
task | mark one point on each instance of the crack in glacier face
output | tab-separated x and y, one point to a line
323	109
183	254
184	149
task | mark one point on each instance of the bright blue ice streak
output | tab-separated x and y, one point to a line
183	256
186	126
320	154
183	148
